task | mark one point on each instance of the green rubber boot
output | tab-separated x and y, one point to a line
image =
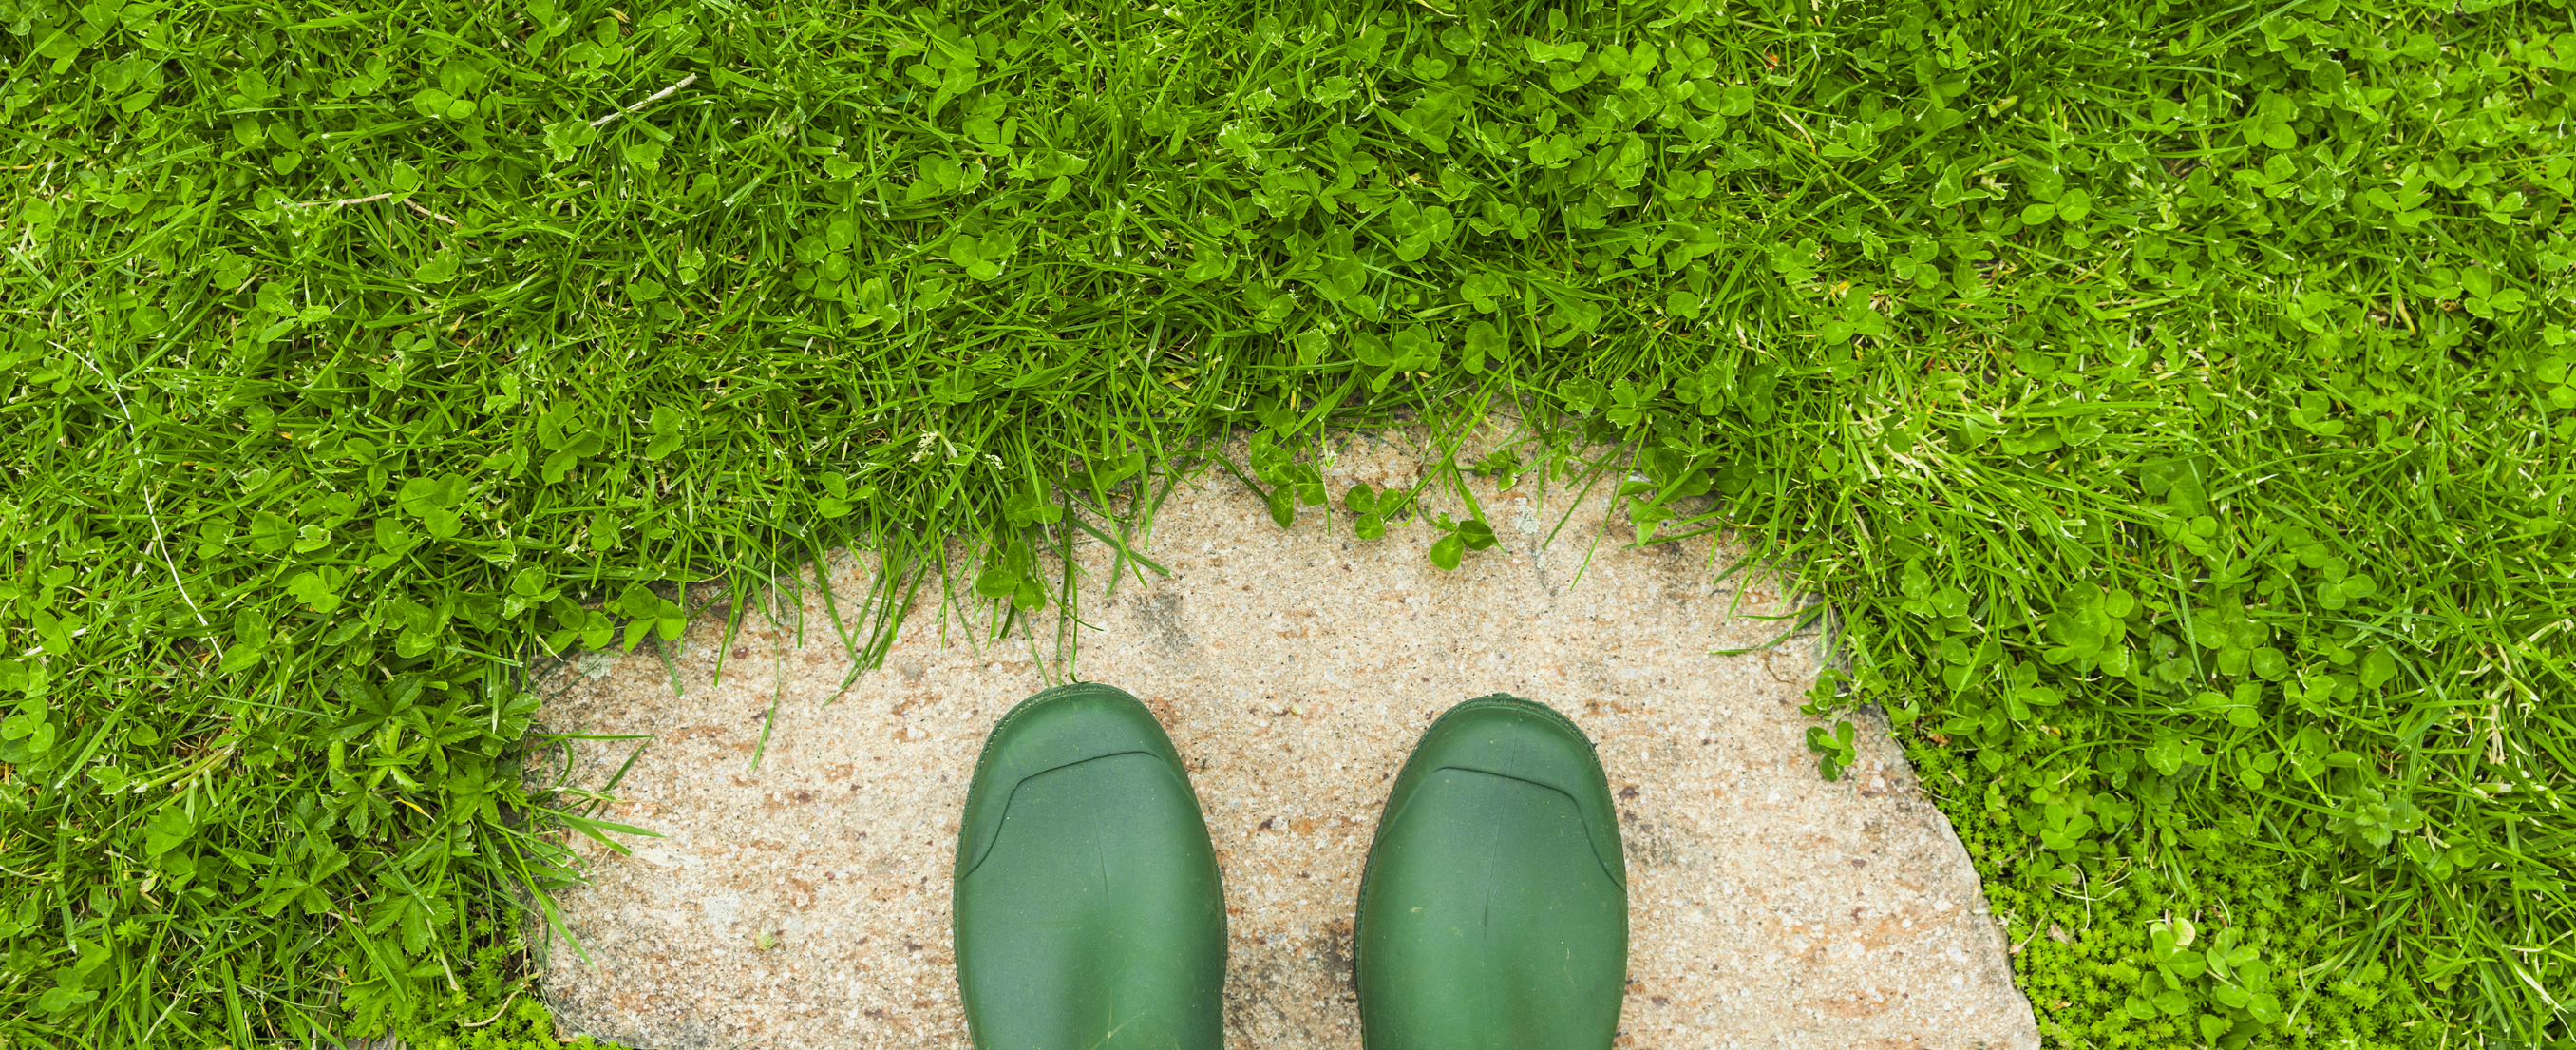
1088	911
1494	911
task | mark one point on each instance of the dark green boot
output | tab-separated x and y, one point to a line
1494	911
1089	914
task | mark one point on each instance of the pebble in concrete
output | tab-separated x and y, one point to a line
803	905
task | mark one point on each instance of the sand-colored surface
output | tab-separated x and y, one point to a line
804	904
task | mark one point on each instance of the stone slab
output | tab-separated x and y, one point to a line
803	904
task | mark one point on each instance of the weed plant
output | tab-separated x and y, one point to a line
2172	399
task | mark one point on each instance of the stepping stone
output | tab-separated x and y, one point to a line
803	903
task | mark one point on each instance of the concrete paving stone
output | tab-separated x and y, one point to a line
804	904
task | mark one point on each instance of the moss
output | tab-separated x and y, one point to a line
2107	904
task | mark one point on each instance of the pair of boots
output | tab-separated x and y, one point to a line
1493	914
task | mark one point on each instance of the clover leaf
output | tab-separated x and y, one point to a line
1458	538
2375	817
434	502
1837	749
168	829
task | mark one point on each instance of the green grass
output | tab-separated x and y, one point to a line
2174	401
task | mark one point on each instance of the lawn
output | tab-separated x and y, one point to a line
2173	401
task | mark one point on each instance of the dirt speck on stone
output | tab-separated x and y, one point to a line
804	905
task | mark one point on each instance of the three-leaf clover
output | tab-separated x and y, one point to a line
2167	755
167	831
2070	206
29	731
1208	262
650	612
982	257
669	429
2404	202
2269	122
592	626
316	588
839	498
1463	536
1032	504
2336	594
1837	749
434	501
2169	947
1411	349
569	437
2311	415
1011	576
2488	297
250	642
1362	501
1584	394
2376	817
1921	599
1630	400
270	532
2087	620
1417	229
432	102
567	136
1291	482
2245	979
63	999
1485	341
941	176
1504	465
438	269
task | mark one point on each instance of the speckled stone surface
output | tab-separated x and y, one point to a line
805	904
